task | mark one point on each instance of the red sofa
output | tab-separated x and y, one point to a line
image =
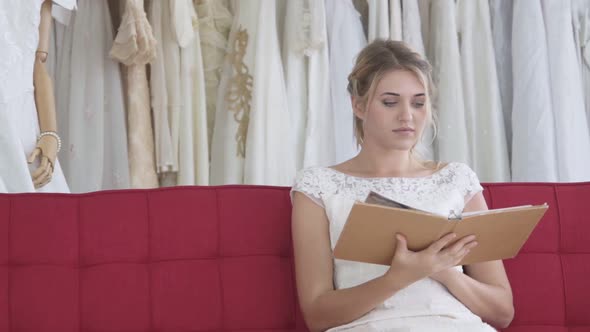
219	259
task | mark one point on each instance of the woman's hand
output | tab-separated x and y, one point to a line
46	150
414	266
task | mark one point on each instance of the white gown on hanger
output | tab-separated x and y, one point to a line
483	107
412	25
179	48
191	125
19	125
295	64
234	98
95	155
378	20
160	101
346	39
395	20
581	12
252	135
269	159
215	21
533	132
571	127
412	35
172	91
424	9
307	80
501	18
199	123
452	138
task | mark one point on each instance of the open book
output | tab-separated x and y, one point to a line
369	233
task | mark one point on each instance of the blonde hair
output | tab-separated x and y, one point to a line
373	62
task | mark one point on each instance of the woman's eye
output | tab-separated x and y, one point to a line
418	105
389	103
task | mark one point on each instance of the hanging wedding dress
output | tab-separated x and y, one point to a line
182	47
581	13
160	101
533	132
19	125
571	127
412	35
198	94
60	62
395	18
172	94
378	20
424	9
135	47
345	40
95	137
307	79
252	141
483	107
452	138
295	65
501	19
412	26
234	98
269	159
215	21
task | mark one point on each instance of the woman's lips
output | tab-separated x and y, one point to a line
403	130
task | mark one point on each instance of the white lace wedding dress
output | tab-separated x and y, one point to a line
425	305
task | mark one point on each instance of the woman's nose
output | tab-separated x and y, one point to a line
405	112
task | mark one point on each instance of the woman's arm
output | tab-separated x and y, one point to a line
484	288
324	307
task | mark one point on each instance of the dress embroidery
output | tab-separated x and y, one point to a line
239	93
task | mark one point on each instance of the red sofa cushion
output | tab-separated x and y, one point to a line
219	258
550	277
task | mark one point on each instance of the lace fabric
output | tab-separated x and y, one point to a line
135	46
319	183
135	42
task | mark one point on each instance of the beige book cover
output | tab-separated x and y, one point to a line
369	233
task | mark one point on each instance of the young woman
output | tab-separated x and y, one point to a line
391	88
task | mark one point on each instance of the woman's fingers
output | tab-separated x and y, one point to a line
401	244
457	246
438	245
456	257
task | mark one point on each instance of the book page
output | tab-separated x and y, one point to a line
377	199
477	213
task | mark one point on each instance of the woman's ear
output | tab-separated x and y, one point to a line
357	107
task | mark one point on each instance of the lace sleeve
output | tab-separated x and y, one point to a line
471	184
307	182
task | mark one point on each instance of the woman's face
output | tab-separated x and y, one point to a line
396	115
